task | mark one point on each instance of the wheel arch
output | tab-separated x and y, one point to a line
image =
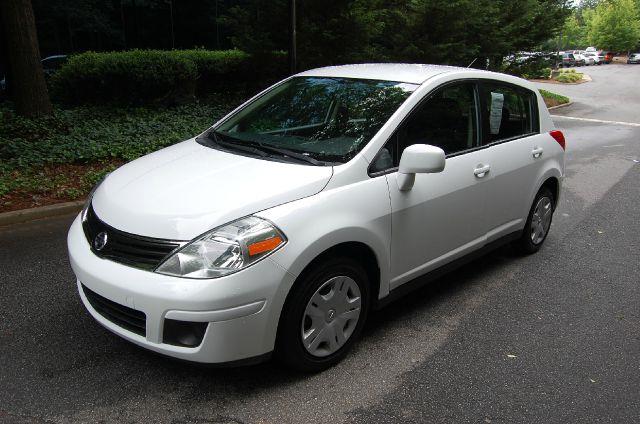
356	250
553	184
552	178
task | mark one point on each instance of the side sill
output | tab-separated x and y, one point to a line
424	279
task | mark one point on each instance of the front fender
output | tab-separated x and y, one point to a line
359	212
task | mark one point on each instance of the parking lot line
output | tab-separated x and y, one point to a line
601	121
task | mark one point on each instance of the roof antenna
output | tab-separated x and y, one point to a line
469	65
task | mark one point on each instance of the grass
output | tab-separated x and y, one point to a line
553	99
59	158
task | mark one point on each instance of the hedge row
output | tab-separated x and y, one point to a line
158	76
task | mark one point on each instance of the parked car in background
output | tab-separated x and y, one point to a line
591	50
589	60
633	58
608	57
50	65
568	60
593	58
281	228
579	58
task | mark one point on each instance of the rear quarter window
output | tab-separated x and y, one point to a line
509	112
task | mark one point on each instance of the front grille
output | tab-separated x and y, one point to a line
125	317
128	249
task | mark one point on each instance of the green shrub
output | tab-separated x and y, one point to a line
131	77
141	77
569	77
543	73
216	70
233	70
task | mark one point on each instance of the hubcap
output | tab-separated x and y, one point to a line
541	220
331	316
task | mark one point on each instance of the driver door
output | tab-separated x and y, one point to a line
442	216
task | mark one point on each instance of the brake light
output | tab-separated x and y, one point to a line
559	137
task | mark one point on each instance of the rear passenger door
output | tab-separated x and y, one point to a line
510	131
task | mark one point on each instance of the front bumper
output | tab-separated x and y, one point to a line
242	309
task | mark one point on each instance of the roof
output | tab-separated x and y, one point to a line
401	72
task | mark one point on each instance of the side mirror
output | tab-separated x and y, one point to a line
419	159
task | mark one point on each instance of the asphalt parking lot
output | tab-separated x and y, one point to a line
553	337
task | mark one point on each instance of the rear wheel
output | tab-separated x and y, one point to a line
323	315
538	222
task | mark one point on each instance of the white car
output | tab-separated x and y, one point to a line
588	60
594	58
324	197
580	59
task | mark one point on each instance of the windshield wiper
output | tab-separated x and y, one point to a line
288	153
235	146
264	150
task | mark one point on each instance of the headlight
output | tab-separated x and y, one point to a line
87	202
225	250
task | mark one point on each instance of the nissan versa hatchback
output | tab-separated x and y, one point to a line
279	229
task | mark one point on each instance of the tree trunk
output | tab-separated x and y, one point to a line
28	87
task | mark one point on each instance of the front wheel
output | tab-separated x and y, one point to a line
323	315
538	222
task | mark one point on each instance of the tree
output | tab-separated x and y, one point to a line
67	26
573	34
614	25
430	31
28	87
588	4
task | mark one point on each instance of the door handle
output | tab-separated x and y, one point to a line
537	152
481	170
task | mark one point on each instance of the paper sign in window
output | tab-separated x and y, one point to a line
495	114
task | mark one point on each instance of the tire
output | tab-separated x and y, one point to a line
531	240
300	317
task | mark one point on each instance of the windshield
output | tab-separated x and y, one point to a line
327	120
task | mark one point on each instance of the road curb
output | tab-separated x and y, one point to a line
26	215
559	106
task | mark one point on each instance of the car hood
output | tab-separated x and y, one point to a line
187	189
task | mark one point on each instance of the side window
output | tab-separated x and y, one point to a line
508	112
447	119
